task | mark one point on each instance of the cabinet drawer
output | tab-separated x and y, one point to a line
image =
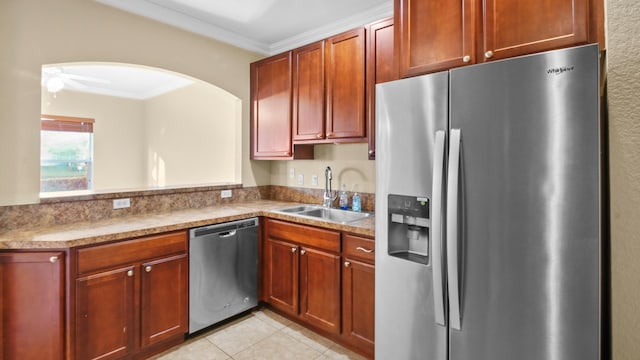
105	256
304	235
359	247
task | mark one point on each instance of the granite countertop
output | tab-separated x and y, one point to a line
120	228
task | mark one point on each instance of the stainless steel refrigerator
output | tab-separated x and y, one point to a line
488	225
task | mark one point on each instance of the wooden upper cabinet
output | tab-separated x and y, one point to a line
345	85
439	35
271	108
382	66
308	92
513	28
435	35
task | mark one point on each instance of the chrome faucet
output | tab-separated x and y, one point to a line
329	195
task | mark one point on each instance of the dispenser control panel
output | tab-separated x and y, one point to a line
409	228
405	209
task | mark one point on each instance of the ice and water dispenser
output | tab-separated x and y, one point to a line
409	228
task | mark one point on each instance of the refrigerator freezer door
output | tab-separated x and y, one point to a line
528	227
408	114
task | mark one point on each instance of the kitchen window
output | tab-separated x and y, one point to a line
66	153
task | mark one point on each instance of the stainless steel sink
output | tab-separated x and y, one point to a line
297	209
319	212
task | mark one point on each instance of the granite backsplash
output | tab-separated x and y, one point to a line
98	207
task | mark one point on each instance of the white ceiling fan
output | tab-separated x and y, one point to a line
56	78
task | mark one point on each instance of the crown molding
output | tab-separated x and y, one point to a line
330	29
189	23
186	22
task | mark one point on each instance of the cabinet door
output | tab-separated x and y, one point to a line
105	316
308	92
32	305
513	28
435	35
382	66
358	280
163	298
320	289
271	107
345	70
282	272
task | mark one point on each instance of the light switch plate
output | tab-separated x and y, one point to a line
225	194
314	180
300	179
121	203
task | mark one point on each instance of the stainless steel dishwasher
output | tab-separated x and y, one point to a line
223	271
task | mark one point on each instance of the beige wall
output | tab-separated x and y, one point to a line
623	54
193	136
348	163
117	121
35	32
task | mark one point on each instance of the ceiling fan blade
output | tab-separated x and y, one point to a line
84	78
74	84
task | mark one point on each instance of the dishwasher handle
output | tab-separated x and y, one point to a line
227	234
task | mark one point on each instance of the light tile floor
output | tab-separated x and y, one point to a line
262	334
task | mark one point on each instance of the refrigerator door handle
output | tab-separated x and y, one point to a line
436	228
452	229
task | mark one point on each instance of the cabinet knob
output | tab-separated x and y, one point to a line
147	268
130	273
293	249
488	54
53	259
347	264
302	252
319	136
466	58
329	134
371	152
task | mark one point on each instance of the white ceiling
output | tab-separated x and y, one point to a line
263	26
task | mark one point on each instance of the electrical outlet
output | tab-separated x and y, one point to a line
121	203
225	194
292	173
300	179
314	180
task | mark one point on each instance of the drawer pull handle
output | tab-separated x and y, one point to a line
347	264
302	252
147	268
364	250
130	273
53	259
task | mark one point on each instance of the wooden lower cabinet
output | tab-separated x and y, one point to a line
282	272
302	271
320	289
131	297
358	296
323	279
32	305
358	279
105	314
164	287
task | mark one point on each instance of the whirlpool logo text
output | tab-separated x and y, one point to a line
559	70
